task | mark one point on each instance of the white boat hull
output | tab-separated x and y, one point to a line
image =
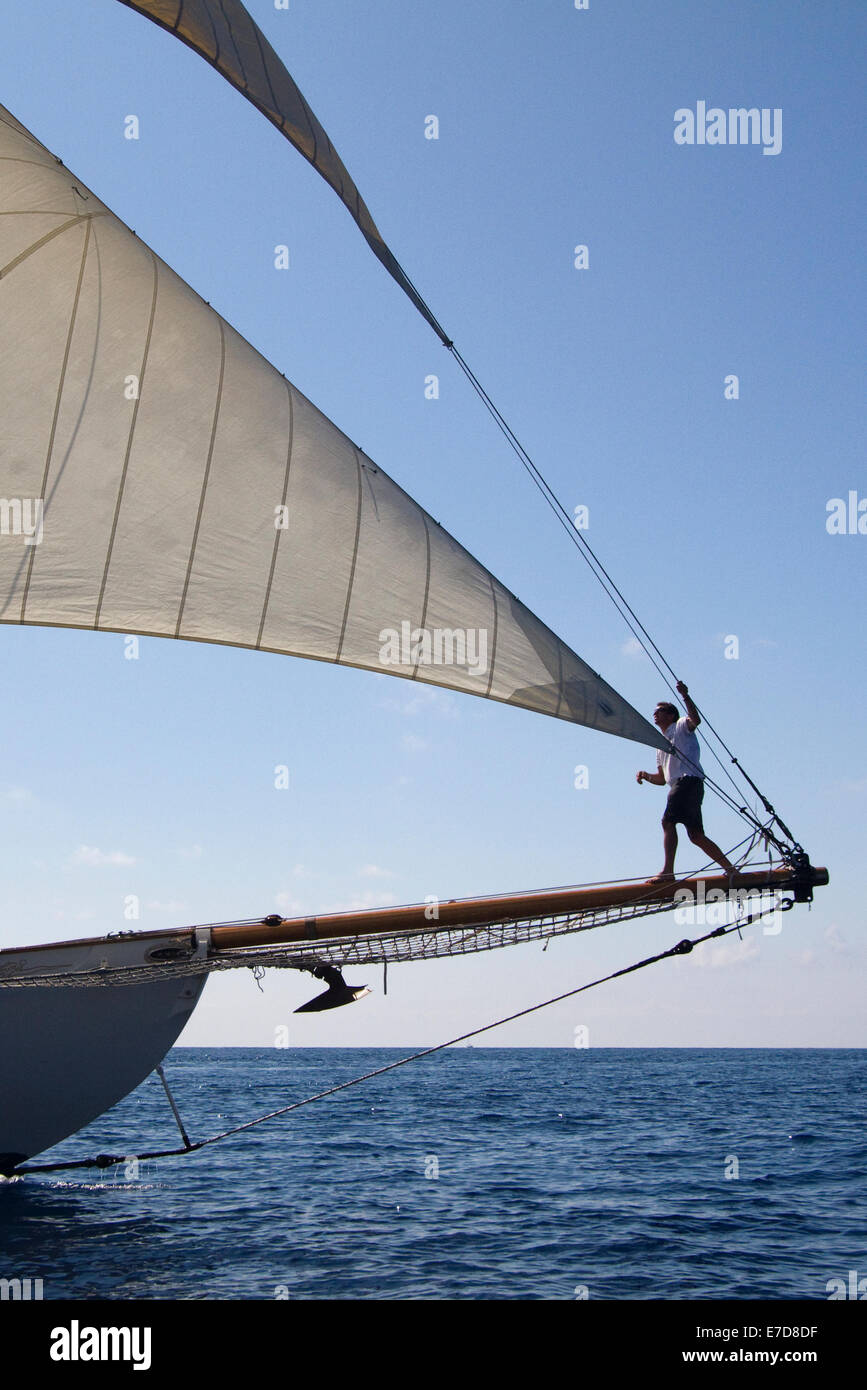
70	1052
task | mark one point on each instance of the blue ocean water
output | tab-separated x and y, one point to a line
478	1173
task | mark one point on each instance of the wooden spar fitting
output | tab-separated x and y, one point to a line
473	912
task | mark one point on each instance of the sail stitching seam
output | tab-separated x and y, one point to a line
354	558
257	33
205	478
234	42
496	631
60	386
44	240
279	530
426	589
127	455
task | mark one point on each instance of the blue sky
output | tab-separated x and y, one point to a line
155	777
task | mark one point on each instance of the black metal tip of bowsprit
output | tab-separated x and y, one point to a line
337	993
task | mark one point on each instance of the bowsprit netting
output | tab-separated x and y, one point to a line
428	942
107	1160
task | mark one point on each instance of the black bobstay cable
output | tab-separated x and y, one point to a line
682	948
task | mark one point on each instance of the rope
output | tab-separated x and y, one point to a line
682	948
400	946
624	608
614	593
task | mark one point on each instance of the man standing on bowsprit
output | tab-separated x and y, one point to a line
683	772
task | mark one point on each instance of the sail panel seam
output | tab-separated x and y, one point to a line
492	583
60	387
426	598
145	354
354	558
258	35
44	240
279	530
234	41
195	539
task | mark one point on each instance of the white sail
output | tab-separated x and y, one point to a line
158	476
226	36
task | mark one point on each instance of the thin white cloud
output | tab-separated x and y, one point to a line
294	907
413	744
374	871
289	906
191	852
366	901
632	647
94	858
425	699
733	953
19	795
836	940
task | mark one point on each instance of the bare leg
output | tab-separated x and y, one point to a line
711	849
669	844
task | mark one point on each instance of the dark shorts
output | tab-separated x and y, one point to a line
684	803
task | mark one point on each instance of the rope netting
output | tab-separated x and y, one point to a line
108	1160
427	942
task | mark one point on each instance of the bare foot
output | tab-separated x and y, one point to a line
662	878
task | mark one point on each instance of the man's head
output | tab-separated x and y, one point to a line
665	714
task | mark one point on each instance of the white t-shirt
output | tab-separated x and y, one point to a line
683	762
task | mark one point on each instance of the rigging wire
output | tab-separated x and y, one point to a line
381	944
630	617
615	594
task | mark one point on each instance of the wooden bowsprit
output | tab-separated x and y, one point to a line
105	1160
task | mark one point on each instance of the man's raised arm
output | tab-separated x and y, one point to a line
693	718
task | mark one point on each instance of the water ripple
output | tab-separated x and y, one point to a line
477	1174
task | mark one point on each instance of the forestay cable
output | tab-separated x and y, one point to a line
624	608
